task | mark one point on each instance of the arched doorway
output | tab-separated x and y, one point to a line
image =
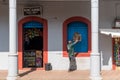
32	42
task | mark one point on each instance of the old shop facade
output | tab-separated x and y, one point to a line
50	29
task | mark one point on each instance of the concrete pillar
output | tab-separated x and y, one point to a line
95	55
12	56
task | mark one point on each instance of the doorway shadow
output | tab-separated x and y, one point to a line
27	72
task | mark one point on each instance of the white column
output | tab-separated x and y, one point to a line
95	55
12	56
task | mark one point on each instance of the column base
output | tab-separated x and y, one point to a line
12	66
95	73
96	78
12	77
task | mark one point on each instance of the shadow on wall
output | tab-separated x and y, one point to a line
106	49
4	40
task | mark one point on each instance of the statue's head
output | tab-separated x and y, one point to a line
76	36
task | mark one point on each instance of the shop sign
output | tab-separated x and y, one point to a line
32	11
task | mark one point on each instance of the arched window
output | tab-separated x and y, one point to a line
82	26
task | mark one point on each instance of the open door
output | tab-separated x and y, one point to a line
32	46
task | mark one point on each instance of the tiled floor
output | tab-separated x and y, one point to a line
60	75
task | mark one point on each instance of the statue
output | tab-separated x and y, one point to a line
71	53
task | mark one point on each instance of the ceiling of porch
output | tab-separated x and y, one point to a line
41	0
54	0
34	2
51	0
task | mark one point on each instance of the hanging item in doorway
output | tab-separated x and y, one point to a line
116	50
29	59
117	23
39	59
33	58
32	32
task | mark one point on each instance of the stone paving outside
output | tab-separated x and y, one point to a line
61	75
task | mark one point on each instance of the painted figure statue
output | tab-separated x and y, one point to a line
70	47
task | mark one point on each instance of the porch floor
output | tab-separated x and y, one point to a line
60	75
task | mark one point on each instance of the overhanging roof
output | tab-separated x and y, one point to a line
34	2
45	0
111	32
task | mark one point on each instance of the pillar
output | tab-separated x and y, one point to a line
12	56
95	55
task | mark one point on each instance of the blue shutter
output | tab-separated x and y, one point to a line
82	29
33	24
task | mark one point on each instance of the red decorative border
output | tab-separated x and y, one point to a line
45	38
66	22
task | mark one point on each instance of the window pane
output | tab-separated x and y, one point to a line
82	29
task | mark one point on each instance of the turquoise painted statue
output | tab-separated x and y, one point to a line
71	53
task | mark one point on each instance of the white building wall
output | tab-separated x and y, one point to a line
3	60
56	13
4	29
4	37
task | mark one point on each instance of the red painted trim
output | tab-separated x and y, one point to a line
45	38
80	19
113	62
